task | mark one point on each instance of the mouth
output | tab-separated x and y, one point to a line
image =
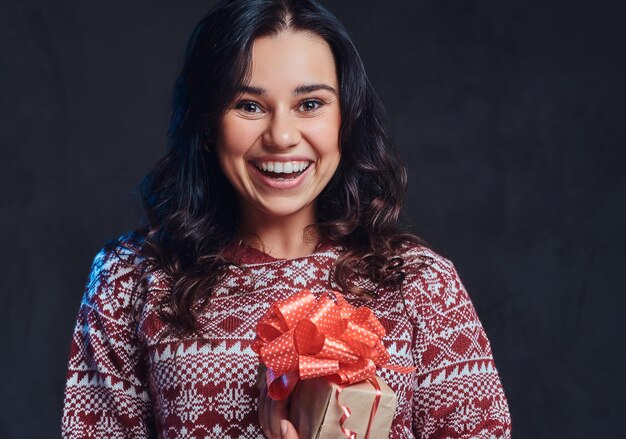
281	175
282	170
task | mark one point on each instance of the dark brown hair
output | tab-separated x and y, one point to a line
190	216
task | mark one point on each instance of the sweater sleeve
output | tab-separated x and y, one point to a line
457	390
106	394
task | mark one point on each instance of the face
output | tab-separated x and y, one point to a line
278	143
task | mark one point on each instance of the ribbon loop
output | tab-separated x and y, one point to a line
294	308
303	337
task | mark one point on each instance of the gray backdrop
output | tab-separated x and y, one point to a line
509	114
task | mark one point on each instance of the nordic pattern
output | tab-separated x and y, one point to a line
125	380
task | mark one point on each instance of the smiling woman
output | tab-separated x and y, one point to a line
279	177
278	145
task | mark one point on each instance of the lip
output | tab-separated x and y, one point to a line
277	184
273	158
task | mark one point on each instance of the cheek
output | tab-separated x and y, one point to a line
235	138
325	135
232	143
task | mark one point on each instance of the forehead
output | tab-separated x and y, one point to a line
290	58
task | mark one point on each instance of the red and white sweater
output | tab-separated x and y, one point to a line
125	381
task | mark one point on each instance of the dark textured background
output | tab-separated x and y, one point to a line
510	116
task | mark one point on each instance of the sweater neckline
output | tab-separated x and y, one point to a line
243	253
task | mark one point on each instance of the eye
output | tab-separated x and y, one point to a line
248	107
311	105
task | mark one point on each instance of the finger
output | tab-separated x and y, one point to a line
277	412
273	431
290	430
263	419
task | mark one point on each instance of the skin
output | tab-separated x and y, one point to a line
283	122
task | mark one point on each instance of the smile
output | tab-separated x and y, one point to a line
294	167
281	175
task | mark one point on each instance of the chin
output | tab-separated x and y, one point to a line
284	208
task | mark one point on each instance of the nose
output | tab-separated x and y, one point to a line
282	131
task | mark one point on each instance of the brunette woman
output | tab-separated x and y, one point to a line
279	176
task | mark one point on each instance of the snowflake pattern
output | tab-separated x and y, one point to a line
232	403
129	381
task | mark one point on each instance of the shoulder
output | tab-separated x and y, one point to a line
417	256
431	280
115	273
117	257
423	264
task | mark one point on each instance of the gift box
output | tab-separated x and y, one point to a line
323	354
314	411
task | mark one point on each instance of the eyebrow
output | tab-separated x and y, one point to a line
299	90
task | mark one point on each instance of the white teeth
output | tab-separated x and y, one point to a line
282	167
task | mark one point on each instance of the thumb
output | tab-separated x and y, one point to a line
287	430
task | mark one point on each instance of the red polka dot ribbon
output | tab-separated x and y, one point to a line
303	337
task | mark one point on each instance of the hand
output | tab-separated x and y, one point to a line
273	417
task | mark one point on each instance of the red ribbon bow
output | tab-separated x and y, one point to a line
303	337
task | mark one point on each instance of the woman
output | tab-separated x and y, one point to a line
279	177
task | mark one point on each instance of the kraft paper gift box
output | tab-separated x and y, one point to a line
314	411
303	339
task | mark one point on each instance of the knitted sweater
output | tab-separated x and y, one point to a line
125	380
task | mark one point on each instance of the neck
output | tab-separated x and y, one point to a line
284	237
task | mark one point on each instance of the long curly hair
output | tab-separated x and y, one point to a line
190	216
